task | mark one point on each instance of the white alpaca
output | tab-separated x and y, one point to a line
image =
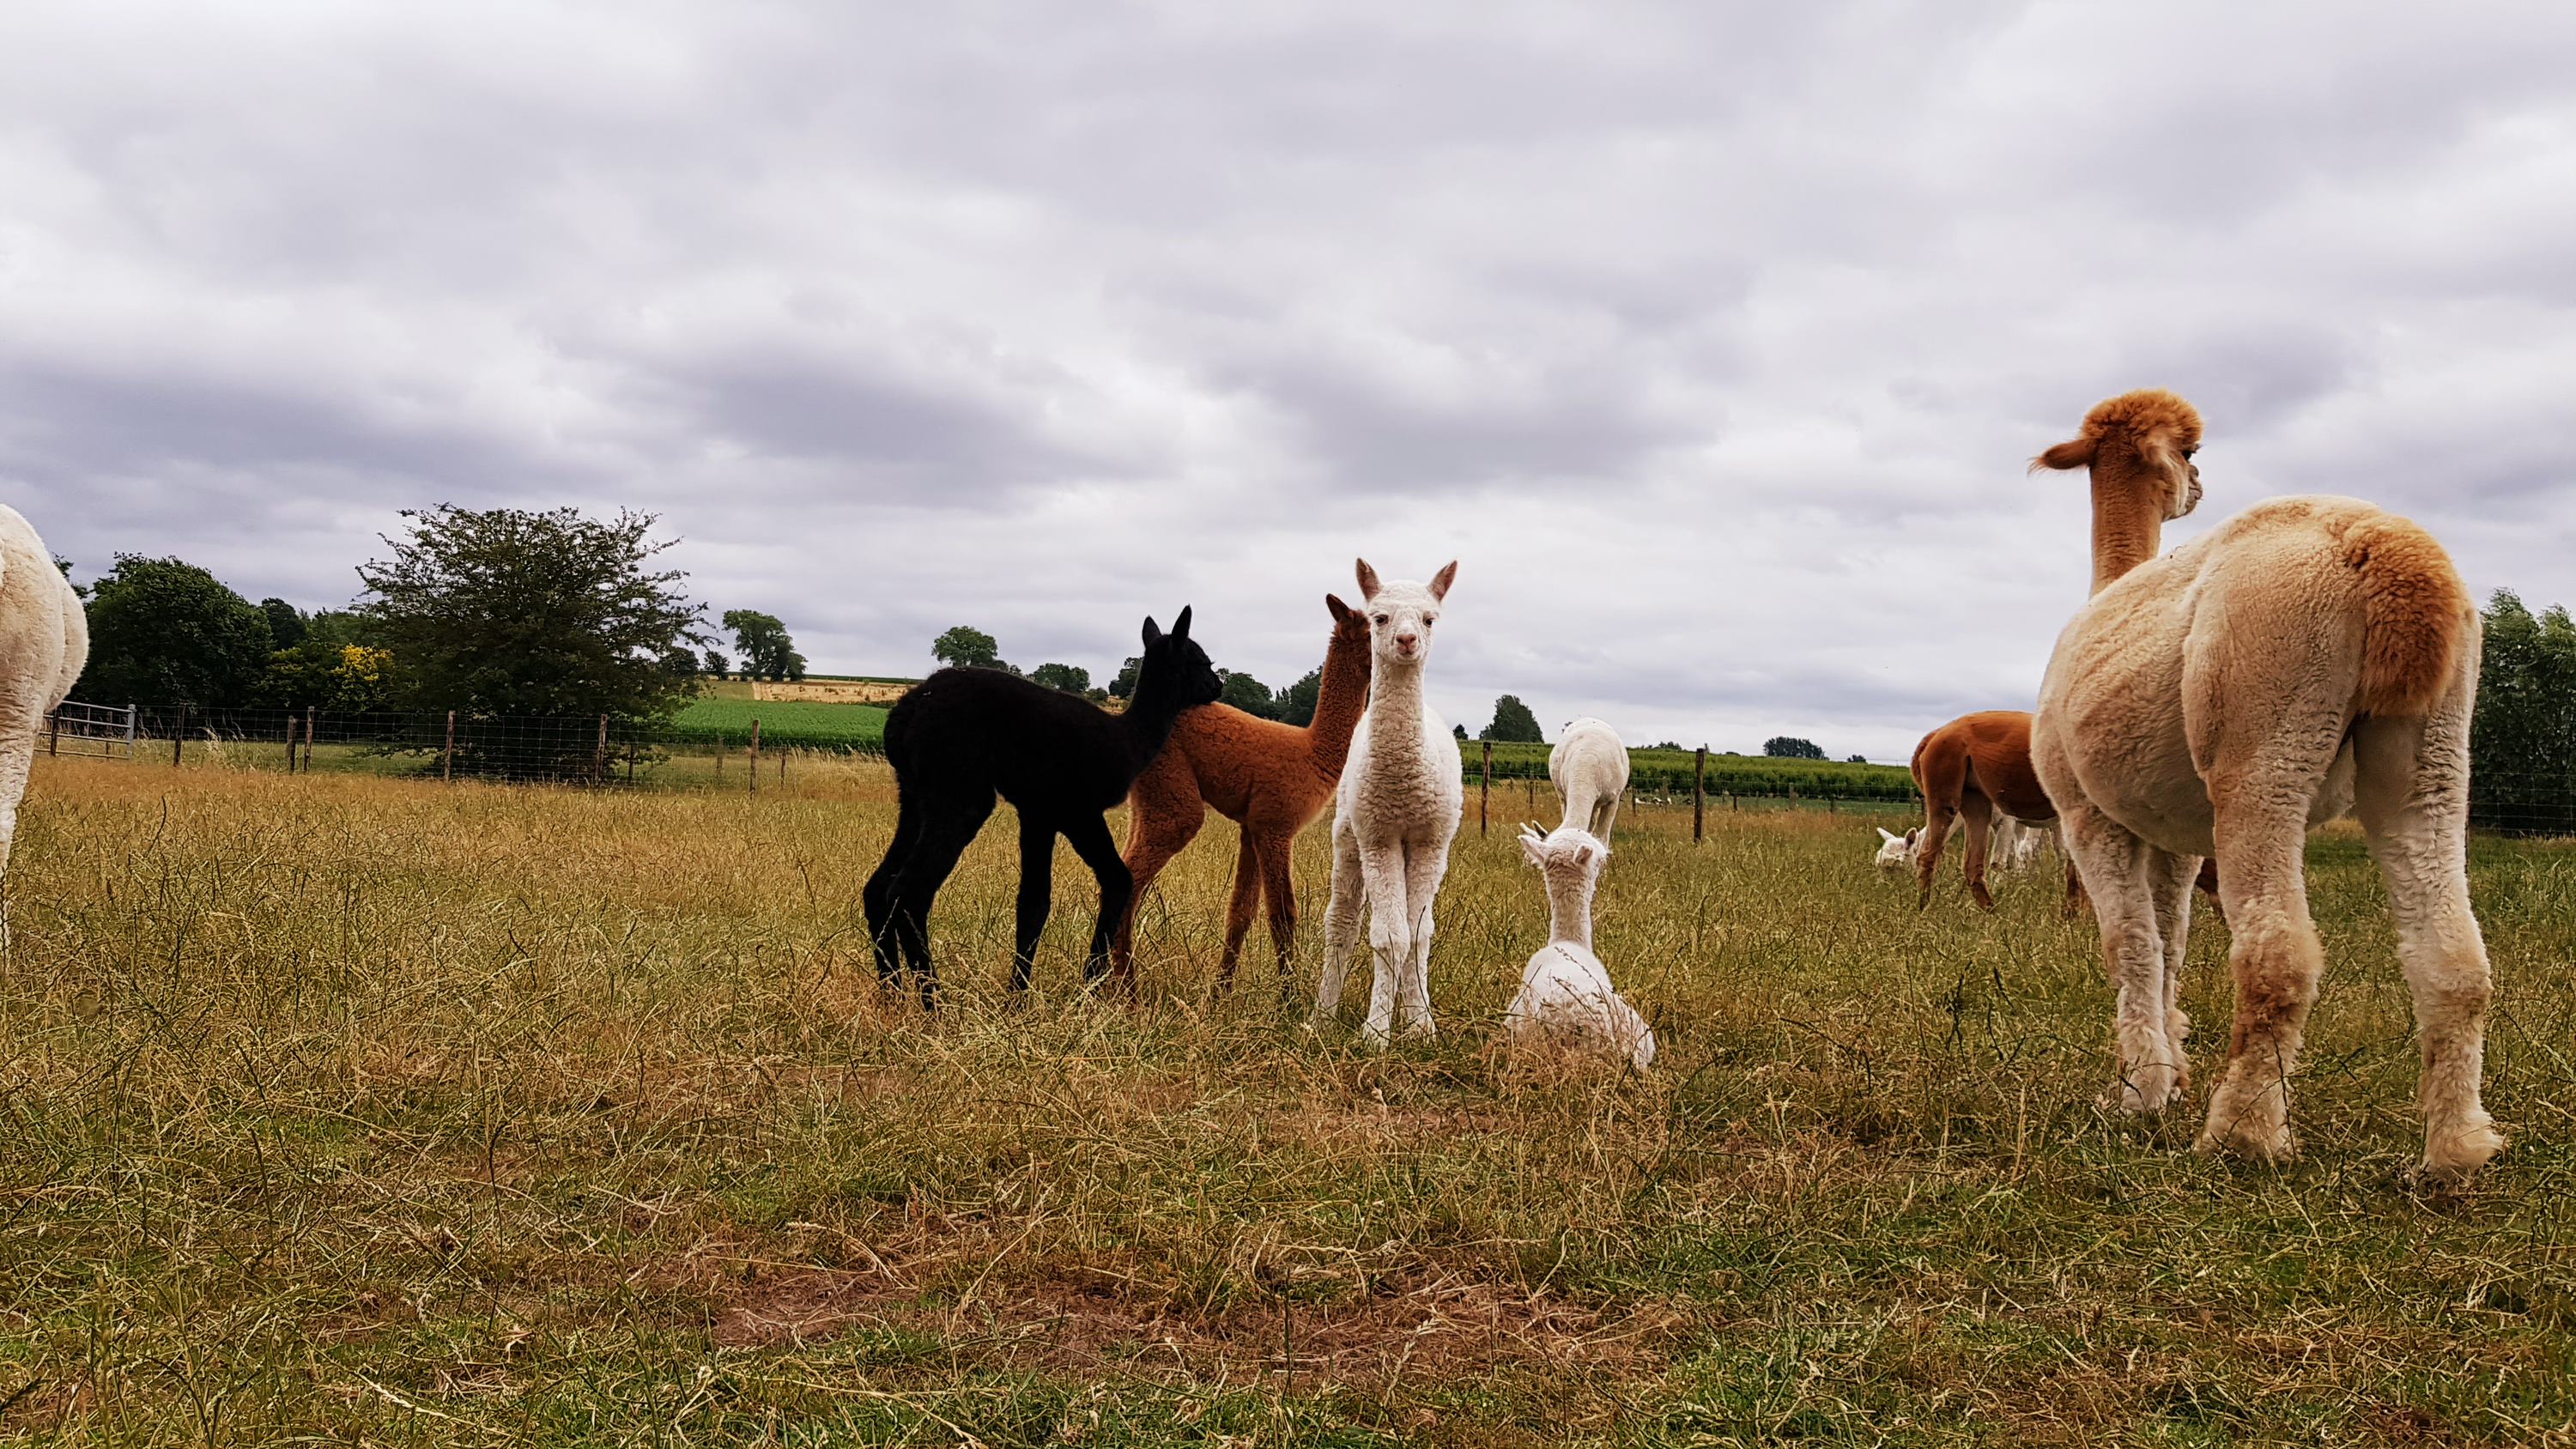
1565	992
2014	845
1401	797
1895	852
1590	768
44	642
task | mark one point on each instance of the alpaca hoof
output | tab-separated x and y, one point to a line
2144	1091
2178	1026
2253	1133
1374	1037
1420	1029
2452	1156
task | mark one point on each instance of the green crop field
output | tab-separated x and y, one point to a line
784	724
346	1109
1665	772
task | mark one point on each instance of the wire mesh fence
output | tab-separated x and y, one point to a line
606	750
596	750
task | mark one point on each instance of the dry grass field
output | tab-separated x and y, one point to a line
350	1109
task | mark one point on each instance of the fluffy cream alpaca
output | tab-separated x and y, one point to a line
1565	994
46	636
1398	808
2309	656
1589	767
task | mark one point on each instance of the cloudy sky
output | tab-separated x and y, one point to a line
1711	339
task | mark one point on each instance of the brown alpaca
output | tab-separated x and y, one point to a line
1967	770
2308	657
1270	778
1978	764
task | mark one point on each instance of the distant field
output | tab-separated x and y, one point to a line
784	723
1669	772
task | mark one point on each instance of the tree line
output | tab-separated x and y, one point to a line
489	612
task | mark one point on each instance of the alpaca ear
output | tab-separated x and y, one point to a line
2073	453
1341	612
1368	582
1532	847
1440	581
1152	634
1909	835
1181	625
1583	855
1885	834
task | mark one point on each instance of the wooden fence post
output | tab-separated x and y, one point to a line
310	711
754	757
178	736
54	733
290	742
1485	788
447	756
719	757
599	754
1699	797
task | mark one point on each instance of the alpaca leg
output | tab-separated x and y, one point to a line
1341	924
1979	812
1092	841
2148	1063
1927	848
1390	937
2276	958
1279	893
2169	877
1605	813
947	828
1424	867
1239	907
2075	897
1037	892
2413	802
878	897
1157	830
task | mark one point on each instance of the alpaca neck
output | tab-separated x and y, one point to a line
1569	910
1395	711
2128	522
1148	723
1339	702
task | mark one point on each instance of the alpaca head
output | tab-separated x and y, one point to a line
1401	613
1350	626
1895	851
2141	442
1569	854
1175	670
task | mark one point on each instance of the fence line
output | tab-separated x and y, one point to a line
604	750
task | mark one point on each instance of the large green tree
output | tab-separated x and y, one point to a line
508	611
967	647
1070	678
162	631
2522	743
1513	721
336	663
764	646
1790	747
1247	694
1297	701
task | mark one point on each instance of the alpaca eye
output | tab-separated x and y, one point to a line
1380	618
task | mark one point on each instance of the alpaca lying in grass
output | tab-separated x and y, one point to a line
1565	994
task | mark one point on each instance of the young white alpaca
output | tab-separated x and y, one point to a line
1400	800
1590	768
1895	852
1565	992
44	642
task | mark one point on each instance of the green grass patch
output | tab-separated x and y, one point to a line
784	724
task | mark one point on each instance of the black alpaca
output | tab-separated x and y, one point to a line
963	735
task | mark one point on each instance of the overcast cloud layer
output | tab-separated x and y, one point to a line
1710	340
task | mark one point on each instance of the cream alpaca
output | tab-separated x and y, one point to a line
1590	768
46	635
1397	810
1565	992
2309	656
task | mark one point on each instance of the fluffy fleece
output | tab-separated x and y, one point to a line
2308	657
1566	996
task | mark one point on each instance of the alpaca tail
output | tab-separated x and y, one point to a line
2415	614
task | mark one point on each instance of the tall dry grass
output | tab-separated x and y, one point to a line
362	1109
